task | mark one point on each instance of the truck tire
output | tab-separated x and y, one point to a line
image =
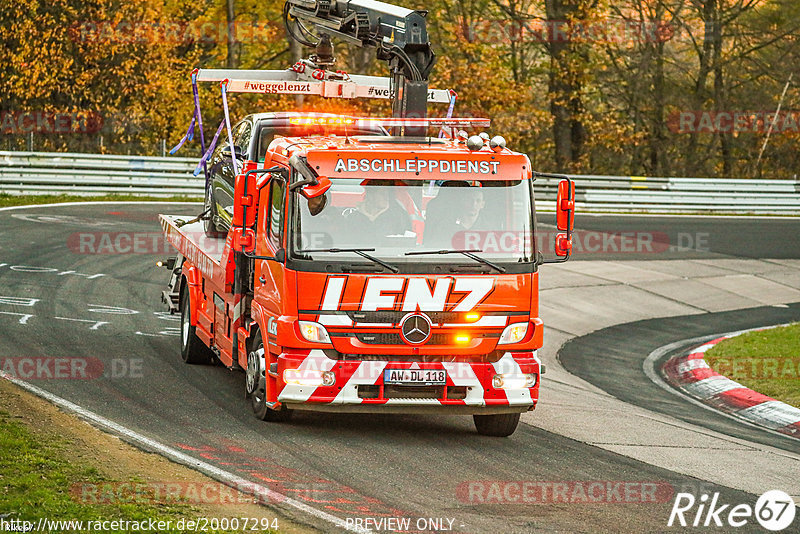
193	350
210	206
499	425
255	386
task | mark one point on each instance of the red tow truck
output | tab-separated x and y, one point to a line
373	273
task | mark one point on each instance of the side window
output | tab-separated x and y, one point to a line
276	213
265	137
241	136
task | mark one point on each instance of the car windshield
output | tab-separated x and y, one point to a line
415	221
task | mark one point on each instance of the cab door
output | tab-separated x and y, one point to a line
270	281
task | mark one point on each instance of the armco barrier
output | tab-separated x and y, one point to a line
679	195
39	173
95	174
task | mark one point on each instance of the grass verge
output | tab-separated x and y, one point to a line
55	467
39	480
767	361
24	200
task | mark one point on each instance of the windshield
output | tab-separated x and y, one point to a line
415	221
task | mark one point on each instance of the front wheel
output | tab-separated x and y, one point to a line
499	425
256	385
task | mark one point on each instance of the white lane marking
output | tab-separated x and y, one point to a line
23	316
649	367
95	325
19	301
113	310
230	479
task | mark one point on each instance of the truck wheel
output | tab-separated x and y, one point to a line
210	206
193	350
500	425
256	385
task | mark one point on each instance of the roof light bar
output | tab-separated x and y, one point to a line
366	122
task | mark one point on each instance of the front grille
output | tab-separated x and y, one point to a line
490	357
394	317
394	391
386	338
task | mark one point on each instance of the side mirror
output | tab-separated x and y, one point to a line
244	239
565	206
565	218
563	246
316	190
226	151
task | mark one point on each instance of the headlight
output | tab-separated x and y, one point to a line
314	332
514	333
309	377
514	381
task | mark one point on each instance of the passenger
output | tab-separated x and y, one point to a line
457	207
472	210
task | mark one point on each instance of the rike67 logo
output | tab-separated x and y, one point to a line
774	510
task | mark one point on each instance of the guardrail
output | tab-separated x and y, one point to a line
94	174
689	195
41	173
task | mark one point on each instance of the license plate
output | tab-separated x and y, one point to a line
415	377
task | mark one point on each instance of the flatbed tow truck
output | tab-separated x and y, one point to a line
371	273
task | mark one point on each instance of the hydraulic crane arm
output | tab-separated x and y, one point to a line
399	35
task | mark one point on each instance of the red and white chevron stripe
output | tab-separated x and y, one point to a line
691	374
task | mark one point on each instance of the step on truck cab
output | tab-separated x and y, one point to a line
374	274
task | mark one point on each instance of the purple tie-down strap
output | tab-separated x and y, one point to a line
210	149
234	162
188	137
453	97
197	112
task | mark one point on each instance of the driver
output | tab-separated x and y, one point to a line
378	214
457	207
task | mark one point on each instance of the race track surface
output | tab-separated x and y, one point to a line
62	294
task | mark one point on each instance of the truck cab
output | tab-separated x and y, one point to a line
373	274
251	137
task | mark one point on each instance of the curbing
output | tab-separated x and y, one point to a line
690	374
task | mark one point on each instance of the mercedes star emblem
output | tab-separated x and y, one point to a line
415	328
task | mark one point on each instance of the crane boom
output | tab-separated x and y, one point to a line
399	35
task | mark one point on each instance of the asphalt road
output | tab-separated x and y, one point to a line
67	291
624	347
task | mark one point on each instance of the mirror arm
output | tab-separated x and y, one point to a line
303	183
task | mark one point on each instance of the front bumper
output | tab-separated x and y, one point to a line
359	386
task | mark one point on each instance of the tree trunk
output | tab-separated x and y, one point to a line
568	61
232	59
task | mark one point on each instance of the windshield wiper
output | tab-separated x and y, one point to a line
468	253
360	251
